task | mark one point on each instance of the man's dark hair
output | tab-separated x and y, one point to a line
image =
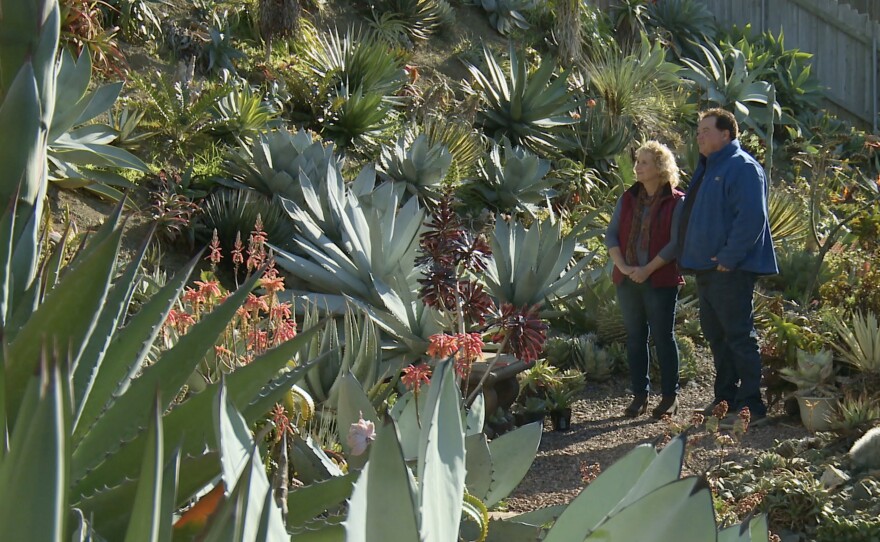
724	120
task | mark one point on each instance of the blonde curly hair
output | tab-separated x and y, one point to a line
663	159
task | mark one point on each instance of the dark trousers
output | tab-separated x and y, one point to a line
648	310
727	319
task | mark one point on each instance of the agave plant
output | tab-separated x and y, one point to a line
273	162
78	147
515	180
364	253
530	265
435	507
507	15
736	88
418	164
527	108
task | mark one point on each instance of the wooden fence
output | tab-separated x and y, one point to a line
844	44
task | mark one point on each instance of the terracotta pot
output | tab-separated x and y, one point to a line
816	412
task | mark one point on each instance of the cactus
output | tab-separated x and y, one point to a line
609	325
865	453
593	360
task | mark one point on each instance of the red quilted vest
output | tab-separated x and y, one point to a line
661	225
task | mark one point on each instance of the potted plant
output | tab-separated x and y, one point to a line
817	392
562	392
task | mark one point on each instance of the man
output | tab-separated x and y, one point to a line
725	242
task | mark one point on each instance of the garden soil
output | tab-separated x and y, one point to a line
600	435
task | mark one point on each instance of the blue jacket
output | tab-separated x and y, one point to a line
728	220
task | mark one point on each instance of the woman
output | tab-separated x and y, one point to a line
642	241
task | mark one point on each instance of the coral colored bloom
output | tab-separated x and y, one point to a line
360	434
256	304
281	311
285	332
441	345
273	284
209	289
215	255
237	249
416	375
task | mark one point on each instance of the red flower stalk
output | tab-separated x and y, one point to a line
522	331
416	375
215	255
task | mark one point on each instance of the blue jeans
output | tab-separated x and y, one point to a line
649	310
727	319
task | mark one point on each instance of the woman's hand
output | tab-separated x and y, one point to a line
627	269
640	275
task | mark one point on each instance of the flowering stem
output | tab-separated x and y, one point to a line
479	386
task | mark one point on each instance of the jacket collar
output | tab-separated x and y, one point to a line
724	152
665	191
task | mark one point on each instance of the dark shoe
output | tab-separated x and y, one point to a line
730	421
668	406
638	406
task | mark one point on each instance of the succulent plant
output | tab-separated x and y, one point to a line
529	108
515	180
530	265
506	15
272	163
419	165
592	359
814	375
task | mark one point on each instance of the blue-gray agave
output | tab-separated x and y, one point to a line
417	164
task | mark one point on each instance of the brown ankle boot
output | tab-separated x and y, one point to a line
668	405
637	407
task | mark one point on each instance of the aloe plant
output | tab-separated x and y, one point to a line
530	265
527	107
861	342
418	164
515	180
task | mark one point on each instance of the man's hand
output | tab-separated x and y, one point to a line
720	267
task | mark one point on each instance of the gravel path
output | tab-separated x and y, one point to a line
600	435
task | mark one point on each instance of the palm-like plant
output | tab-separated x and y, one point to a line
527	108
242	113
507	15
680	24
419	18
735	88
639	88
463	142
513	179
358	62
787	216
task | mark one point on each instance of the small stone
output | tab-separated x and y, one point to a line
833	477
